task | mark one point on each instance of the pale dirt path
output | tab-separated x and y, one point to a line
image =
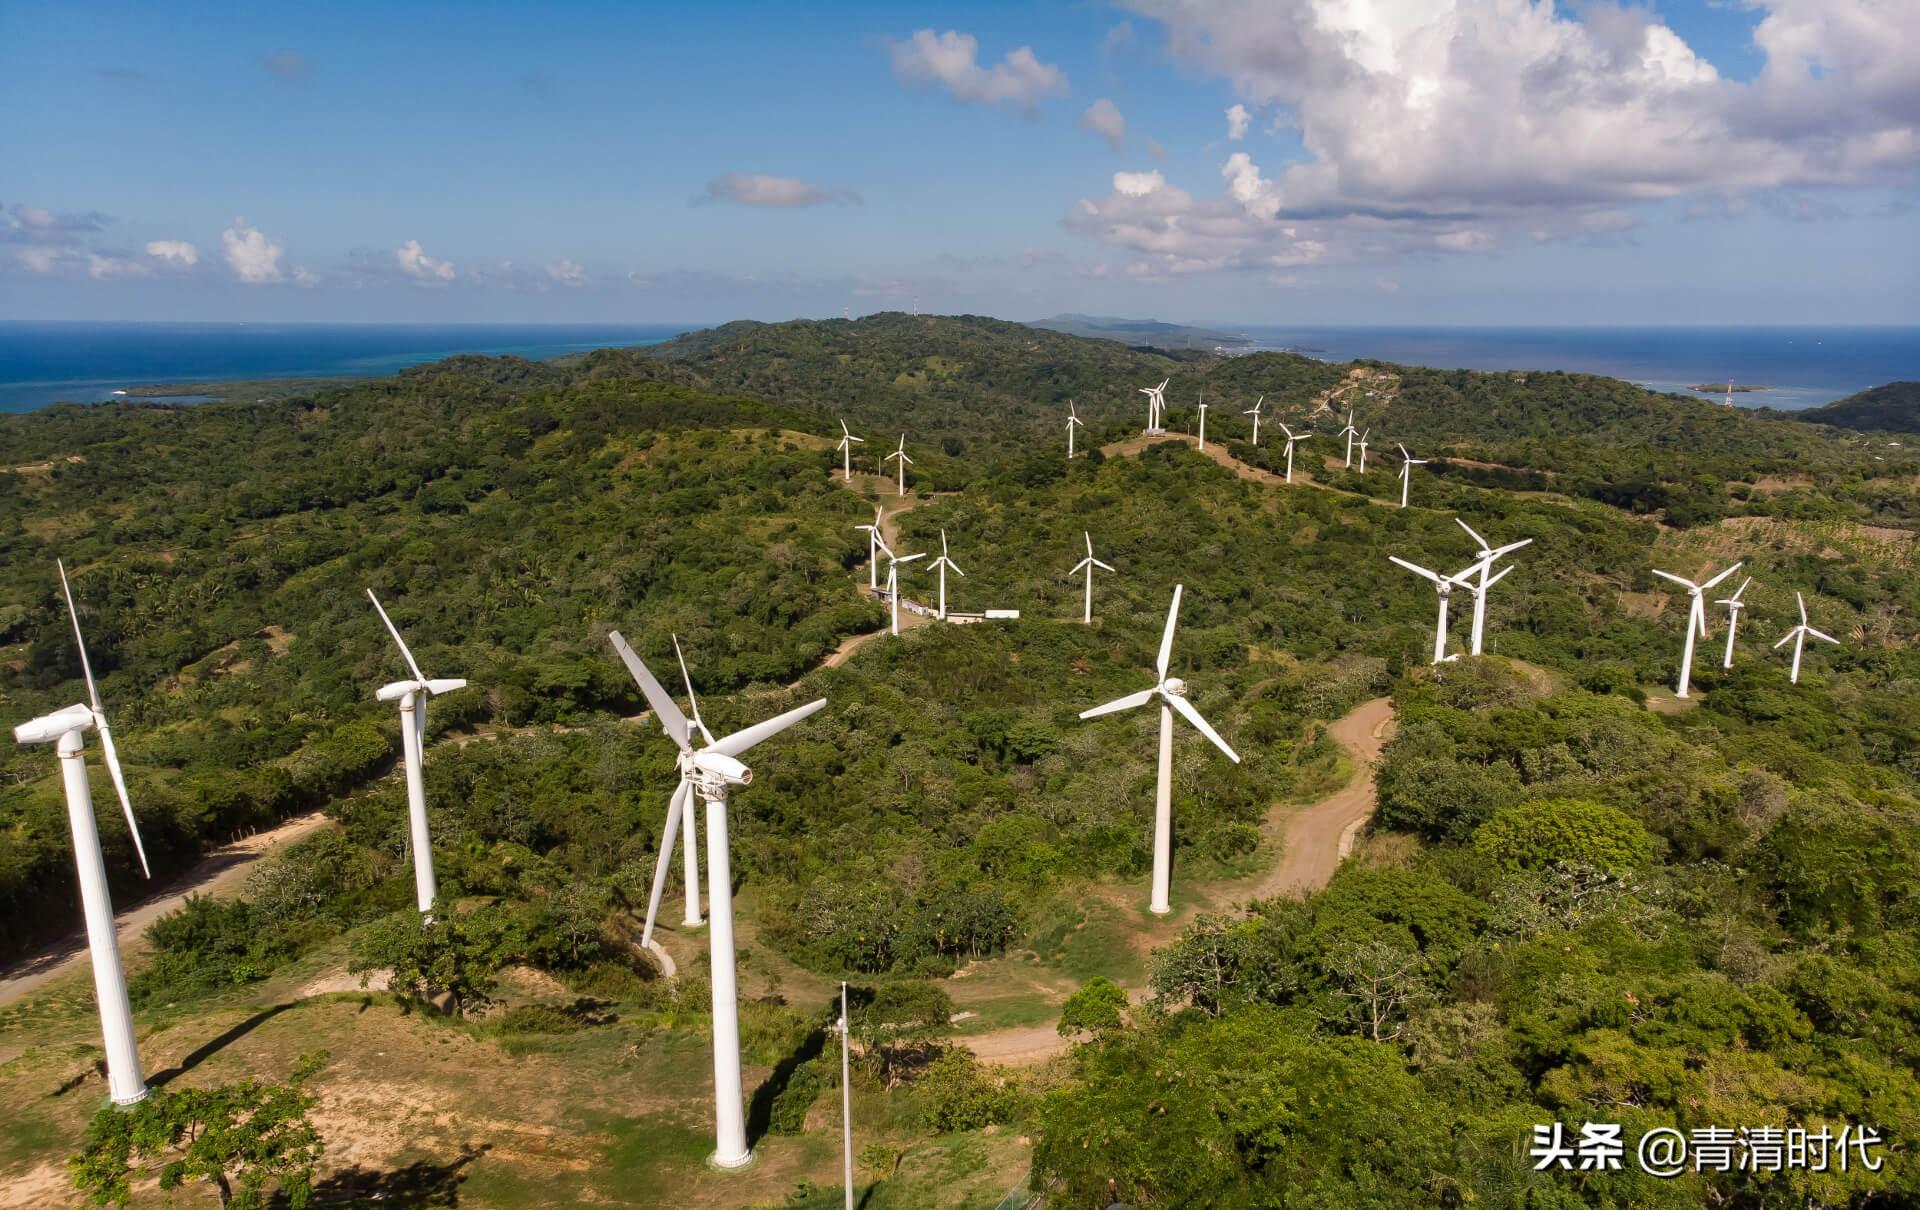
221	872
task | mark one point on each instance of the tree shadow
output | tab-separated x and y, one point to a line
419	1184
218	1044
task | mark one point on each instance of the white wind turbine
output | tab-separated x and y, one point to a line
1203	422
943	562
67	728
1798	636
1073	418
1172	692
1291	438
412	696
1156	400
1254	412
1696	619
1087	565
712	770
1443	586
1407	463
847	442
1479	586
1734	605
1349	432
875	544
905	462
676	807
893	584
1363	451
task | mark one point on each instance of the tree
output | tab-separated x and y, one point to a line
1099	1007
909	1014
242	1137
451	955
1382	980
1552	831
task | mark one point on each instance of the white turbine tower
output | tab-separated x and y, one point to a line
712	770
1254	412
1798	637
1203	422
1291	438
1363	451
413	696
1734	605
844	1028
67	728
875	544
1407	463
1443	587
1073	418
893	585
1479	587
905	462
1696	620
1087	565
943	562
1349	432
1172	692
1156	400
847	442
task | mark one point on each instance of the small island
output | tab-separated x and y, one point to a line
1738	388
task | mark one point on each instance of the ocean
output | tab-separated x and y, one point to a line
43	363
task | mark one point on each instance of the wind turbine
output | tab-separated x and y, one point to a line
893	584
1734	605
1291	438
676	806
875	544
67	728
1443	586
1363	451
413	697
1696	619
943	562
844	1028
1729	402
847	442
1798	636
1254	412
1407	463
1073	418
1156	399
1479	588
1172	692
905	462
712	770
1203	422
1087	565
1349	432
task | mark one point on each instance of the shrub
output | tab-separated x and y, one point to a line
1560	831
957	1093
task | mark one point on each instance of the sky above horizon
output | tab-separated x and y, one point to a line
1263	162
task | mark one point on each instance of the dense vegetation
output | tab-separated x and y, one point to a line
1892	407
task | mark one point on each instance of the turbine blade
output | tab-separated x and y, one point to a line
398	641
1496	578
1723	575
1089	538
740	741
1510	547
1079	567
1415	568
1193	716
1166	636
86	667
1103	566
672	721
675	808
691	700
1786	638
1822	635
1121	703
1667	575
1802	602
1742	588
120	787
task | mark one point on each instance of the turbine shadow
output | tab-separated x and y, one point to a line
760	1108
218	1044
419	1184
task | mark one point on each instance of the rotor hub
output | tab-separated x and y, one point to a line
1175	686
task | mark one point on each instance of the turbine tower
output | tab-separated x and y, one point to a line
1407	463
844	1028
1203	421
413	696
1349	432
1073	418
1156	400
1254	412
67	729
1696	620
1087	565
893	585
1479	587
712	770
1443	586
1729	400
875	544
1734	605
905	462
1363	451
1798	637
943	562
847	442
1291	438
1172	692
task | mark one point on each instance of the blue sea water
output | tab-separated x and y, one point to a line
43	363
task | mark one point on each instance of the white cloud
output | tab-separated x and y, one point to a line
174	252
252	256
1137	184
1237	121
951	60
100	268
1104	118
753	189
40	259
1259	196
567	273
421	267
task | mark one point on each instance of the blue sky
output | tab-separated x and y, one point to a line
1401	161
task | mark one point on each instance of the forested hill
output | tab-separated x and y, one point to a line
1891	408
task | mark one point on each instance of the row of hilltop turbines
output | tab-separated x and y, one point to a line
710	767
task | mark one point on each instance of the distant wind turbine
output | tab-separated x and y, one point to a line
1734	605
1254	412
1479	586
1696	620
905	462
1203	421
1087	565
875	544
1349	432
847	442
1407	463
1798	637
1443	586
1156	400
1291	438
943	562
1073	419
1363	451
893	585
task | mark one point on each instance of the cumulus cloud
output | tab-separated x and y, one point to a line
174	252
754	189
287	65
1137	184
41	259
951	60
422	268
567	273
1259	196
1104	118
38	225
1237	121
253	257
100	268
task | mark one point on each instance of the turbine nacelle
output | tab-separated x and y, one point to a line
721	768
50	727
1173	686
395	690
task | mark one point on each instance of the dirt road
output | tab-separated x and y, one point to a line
1319	837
